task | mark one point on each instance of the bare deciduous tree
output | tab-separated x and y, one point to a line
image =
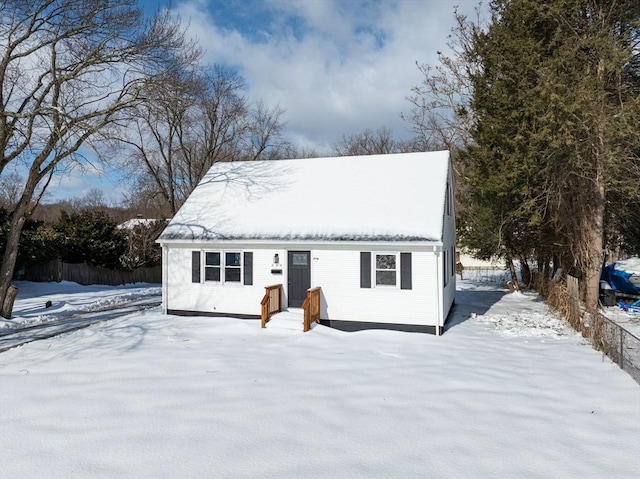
69	69
10	186
372	142
192	121
441	116
142	249
94	199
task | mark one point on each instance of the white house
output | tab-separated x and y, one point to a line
375	233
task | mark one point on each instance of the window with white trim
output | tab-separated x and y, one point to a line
223	266
386	269
212	270
232	266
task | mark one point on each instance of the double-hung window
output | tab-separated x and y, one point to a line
386	269
232	267
212	270
222	267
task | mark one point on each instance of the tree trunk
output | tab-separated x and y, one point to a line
525	271
18	218
594	239
9	262
547	269
7	306
556	265
515	285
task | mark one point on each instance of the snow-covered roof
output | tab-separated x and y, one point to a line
396	197
133	222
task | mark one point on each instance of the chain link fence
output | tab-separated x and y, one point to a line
621	346
617	343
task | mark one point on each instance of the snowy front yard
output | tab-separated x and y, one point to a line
512	393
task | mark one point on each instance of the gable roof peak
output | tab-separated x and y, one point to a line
390	197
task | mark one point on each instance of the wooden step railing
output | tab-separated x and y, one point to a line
311	307
271	302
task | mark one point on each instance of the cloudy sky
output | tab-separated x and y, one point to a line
336	67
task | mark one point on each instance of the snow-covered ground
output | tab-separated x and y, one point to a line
69	298
629	320
511	393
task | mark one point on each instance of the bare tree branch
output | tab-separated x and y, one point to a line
69	69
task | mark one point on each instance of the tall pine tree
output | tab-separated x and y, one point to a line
556	106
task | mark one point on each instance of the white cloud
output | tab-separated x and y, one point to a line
77	180
335	67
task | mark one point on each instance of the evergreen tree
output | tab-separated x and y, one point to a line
556	109
92	237
38	241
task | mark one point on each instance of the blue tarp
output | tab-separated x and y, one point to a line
619	280
630	307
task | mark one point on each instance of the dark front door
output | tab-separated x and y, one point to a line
299	277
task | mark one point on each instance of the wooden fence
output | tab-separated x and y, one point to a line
85	274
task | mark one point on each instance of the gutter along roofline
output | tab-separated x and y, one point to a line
319	244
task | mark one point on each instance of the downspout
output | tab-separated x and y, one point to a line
440	274
165	275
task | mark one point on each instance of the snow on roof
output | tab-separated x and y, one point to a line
396	197
133	222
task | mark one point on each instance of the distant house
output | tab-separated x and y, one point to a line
470	262
135	222
375	233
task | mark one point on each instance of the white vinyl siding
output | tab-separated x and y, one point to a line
218	297
448	240
337	272
344	299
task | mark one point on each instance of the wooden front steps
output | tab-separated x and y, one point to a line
272	309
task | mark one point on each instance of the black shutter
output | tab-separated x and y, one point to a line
195	266
248	267
405	270
365	269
